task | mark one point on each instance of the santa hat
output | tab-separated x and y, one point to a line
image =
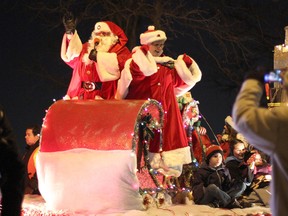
108	26
211	150
152	35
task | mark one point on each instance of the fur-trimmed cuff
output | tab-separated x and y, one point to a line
190	75
181	90
146	63
170	162
177	157
124	81
73	49
107	66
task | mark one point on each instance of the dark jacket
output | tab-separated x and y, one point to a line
11	169
239	170
205	176
31	180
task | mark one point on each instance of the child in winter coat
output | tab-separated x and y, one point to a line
212	182
239	169
242	172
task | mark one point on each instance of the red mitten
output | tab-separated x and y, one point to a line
145	49
188	61
252	158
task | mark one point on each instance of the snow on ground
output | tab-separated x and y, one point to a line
34	205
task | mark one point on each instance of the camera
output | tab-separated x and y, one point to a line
273	76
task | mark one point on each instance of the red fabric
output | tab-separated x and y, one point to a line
197	146
226	149
145	49
212	148
160	86
122	38
92	124
188	61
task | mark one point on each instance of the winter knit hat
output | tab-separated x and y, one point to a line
211	150
152	35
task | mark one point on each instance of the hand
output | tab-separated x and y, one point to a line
252	165
252	158
93	55
187	60
69	23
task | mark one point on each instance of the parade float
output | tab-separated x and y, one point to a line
94	154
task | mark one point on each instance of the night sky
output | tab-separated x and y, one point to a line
33	74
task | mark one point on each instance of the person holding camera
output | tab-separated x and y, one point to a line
267	130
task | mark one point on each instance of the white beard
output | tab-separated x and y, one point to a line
105	42
104	45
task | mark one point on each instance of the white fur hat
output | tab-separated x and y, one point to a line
152	35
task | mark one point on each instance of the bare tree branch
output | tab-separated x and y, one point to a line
232	33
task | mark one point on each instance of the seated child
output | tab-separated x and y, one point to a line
239	169
242	172
212	184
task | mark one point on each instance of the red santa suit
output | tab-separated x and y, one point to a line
90	79
145	76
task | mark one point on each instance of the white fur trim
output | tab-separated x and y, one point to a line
152	35
146	63
190	75
163	59
181	90
74	47
107	66
66	97
124	81
170	162
102	27
177	157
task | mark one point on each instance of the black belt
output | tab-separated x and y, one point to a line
91	86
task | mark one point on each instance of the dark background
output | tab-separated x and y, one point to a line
33	75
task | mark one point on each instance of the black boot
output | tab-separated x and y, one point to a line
234	204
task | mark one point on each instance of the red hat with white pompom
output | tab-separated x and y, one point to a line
152	35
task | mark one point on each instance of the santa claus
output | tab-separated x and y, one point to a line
150	74
97	63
